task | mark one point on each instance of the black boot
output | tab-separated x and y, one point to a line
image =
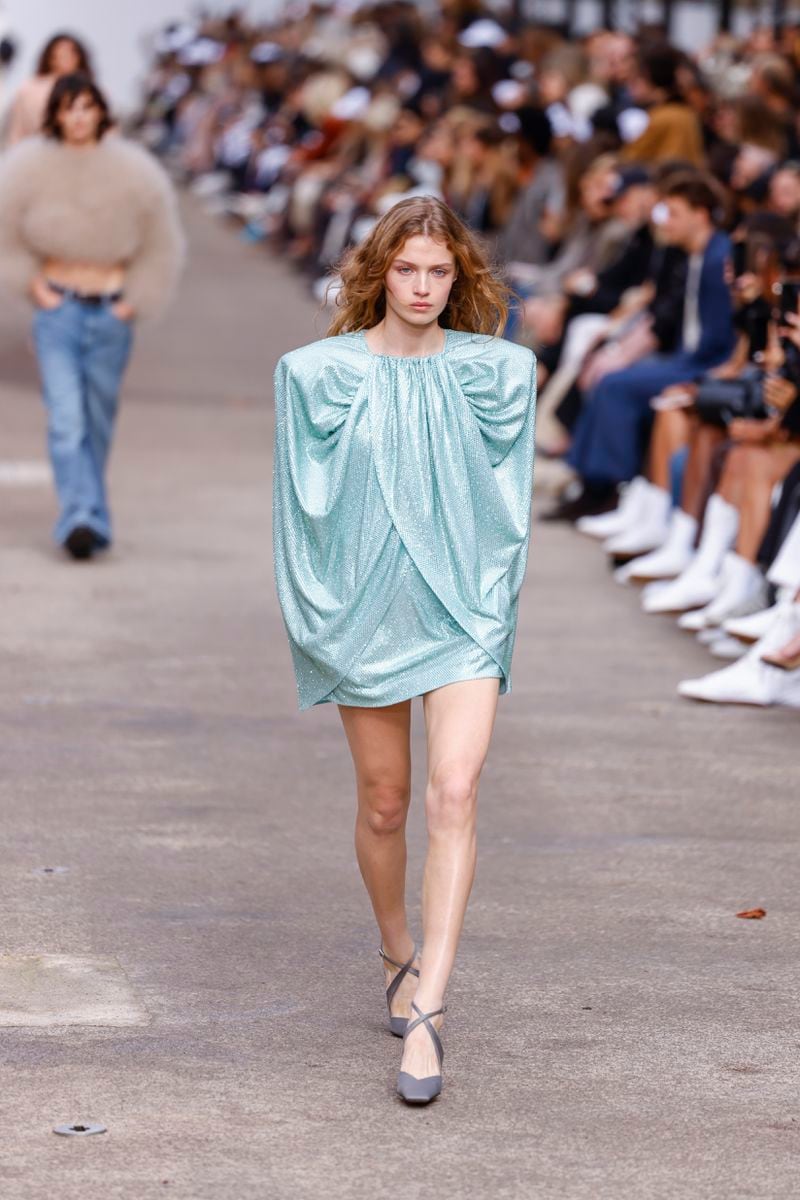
81	542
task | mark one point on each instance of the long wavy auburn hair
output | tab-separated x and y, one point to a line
478	301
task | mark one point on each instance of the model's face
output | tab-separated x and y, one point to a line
419	280
64	58
79	121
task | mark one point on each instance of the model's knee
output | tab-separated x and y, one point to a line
384	807
451	799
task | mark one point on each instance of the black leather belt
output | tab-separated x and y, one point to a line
86	297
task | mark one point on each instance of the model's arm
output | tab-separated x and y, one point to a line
18	264
153	273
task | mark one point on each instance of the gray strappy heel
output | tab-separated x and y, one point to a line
398	1024
422	1091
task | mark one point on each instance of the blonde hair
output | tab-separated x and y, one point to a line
478	301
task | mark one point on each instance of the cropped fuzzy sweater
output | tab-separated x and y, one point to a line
106	203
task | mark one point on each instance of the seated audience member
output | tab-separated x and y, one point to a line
671	128
611	432
566	327
658	541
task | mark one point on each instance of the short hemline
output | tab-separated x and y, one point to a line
404	694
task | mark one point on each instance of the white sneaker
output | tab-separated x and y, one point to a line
692	589
723	646
752	628
652	589
751	681
668	560
707	635
651	529
740	582
694	621
748	681
625	515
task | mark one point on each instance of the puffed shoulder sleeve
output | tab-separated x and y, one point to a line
498	380
18	263
155	268
314	388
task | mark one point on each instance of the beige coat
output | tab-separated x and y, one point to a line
106	203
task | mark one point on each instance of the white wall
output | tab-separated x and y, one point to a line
114	29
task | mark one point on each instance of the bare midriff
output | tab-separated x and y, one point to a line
85	277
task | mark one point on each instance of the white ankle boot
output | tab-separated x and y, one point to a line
740	581
752	628
627	513
670	559
650	531
751	681
725	646
699	583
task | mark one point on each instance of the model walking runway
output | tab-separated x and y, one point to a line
402	494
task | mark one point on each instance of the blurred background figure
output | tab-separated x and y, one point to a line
7	52
89	231
62	55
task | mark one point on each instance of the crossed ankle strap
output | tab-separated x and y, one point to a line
425	1018
404	969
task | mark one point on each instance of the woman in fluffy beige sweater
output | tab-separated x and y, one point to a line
89	230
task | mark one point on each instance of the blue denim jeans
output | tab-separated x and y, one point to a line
82	350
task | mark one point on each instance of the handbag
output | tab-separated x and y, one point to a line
720	401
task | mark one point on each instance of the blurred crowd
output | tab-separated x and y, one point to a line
642	202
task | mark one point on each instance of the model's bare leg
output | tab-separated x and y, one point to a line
380	743
459	720
671	430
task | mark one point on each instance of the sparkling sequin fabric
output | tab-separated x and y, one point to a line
401	513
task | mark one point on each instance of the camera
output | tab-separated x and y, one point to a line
788	293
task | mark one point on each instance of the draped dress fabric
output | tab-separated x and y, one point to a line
401	513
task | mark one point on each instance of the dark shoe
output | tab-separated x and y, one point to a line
81	542
397	1025
422	1091
588	503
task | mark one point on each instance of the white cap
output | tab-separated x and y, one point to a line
175	37
352	105
266	52
201	53
509	93
484	32
632	123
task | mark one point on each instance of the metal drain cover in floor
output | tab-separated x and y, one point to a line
80	1129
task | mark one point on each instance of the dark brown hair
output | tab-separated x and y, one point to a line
699	191
64	94
84	61
478	301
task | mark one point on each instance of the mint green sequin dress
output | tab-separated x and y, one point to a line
401	513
